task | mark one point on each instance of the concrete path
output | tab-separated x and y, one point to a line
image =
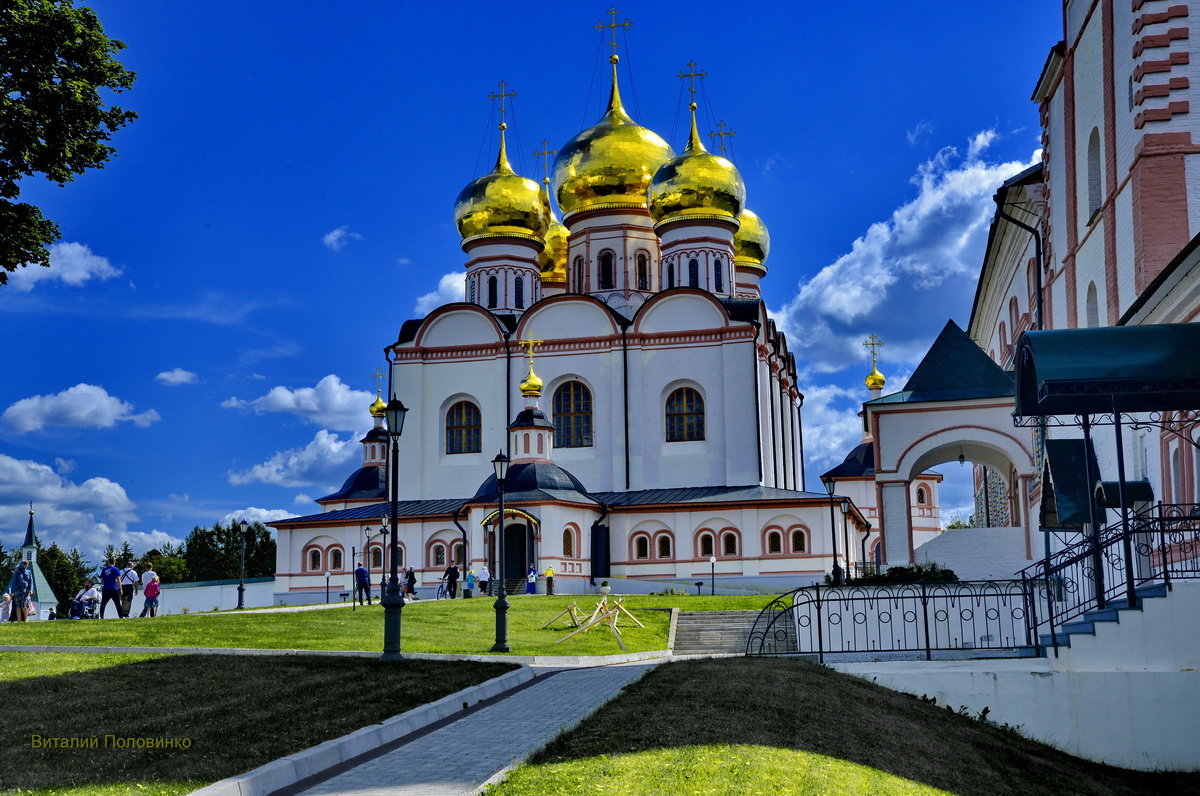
462	756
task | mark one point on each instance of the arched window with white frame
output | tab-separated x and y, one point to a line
641	547
663	543
707	547
439	555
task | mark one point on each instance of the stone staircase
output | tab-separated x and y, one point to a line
713	632
1086	624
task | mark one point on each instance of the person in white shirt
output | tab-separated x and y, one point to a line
87	594
129	587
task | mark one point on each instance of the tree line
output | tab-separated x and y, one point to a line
206	554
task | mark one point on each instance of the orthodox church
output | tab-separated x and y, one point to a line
656	434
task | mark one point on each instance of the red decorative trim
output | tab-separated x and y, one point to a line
1164	65
1160	89
1158	40
1173	109
1174	12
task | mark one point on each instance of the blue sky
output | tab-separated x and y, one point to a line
225	286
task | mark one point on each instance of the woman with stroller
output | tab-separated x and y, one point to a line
87	596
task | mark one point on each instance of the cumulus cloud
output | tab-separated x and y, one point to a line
70	263
330	404
254	514
831	426
176	376
336	239
321	463
901	276
81	406
451	287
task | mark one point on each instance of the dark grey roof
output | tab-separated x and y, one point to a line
364	483
30	538
533	482
531	418
375	434
954	368
859	462
404	508
743	309
704	494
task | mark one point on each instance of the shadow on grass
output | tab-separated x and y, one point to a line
181	719
792	705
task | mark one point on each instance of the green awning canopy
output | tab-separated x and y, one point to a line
1093	371
1065	496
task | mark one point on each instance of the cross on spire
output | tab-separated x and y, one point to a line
691	76
545	154
720	135
529	345
378	377
873	343
613	25
501	95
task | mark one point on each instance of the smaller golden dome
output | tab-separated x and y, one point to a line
553	259
875	379
378	407
531	387
752	243
697	183
501	203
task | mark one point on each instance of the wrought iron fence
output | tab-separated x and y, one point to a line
900	618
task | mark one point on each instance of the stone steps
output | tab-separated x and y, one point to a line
712	632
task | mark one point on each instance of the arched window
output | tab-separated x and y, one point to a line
336	559
314	560
519	292
439	555
491	292
1094	184
799	543
706	545
641	547
685	416
568	543
664	546
377	557
472	291
643	272
579	275
606	270
671	274
729	544
718	276
693	273
463	428
458	553
922	498
399	556
1093	306
1014	315
774	542
573	416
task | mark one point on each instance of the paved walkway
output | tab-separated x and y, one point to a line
459	757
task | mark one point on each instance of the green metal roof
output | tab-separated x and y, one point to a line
1065	502
1094	371
953	369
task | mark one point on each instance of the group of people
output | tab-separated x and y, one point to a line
118	586
451	577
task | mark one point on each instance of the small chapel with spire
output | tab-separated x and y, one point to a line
43	596
660	437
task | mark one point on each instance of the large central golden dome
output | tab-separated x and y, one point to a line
697	183
611	163
501	203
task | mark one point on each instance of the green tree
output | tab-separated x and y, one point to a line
54	63
125	554
168	562
8	565
56	566
214	553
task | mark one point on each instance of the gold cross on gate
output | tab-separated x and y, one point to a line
545	154
378	377
613	24
691	76
873	343
500	95
720	135
529	345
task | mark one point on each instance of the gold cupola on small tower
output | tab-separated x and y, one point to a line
752	243
875	380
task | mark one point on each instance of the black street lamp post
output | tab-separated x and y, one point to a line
392	599
240	525
500	465
712	588
830	484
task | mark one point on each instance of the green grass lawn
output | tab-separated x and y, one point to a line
774	726
236	712
446	626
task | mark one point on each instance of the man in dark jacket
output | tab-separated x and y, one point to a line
110	588
362	584
21	588
452	580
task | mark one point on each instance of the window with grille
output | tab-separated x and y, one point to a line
337	559
439	556
641	547
519	293
377	557
799	544
568	544
729	545
314	560
573	416
607	280
463	428
685	416
774	543
706	545
664	547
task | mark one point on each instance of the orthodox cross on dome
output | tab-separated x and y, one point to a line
873	343
719	136
502	95
529	345
545	154
531	386
691	76
378	377
613	25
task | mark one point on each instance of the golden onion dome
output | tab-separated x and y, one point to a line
752	243
611	163
531	386
697	183
553	259
501	203
378	407
875	379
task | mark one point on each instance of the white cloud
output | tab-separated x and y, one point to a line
902	276
302	499
451	287
254	514
64	466
831	426
322	462
330	404
81	406
922	129
176	376
336	239
70	263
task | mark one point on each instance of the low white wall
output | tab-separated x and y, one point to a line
181	598
977	553
1144	720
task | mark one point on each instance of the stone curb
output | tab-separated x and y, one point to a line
671	632
291	769
524	660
